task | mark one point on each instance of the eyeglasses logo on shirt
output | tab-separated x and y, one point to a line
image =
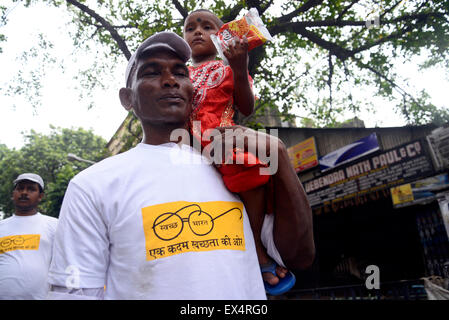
20	242
178	227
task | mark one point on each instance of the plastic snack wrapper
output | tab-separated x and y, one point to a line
250	26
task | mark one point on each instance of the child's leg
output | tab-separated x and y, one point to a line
255	204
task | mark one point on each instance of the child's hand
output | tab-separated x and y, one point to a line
237	55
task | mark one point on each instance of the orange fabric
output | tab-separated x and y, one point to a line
213	102
242	177
213	84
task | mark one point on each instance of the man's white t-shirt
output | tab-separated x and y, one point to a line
155	222
25	253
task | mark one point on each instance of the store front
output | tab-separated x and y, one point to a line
359	221
369	234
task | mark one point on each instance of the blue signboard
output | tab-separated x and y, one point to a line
349	152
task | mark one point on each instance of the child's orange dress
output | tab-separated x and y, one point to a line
213	100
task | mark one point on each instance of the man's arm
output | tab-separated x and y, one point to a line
293	223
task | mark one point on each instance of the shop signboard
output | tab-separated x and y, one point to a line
381	171
304	155
420	191
402	194
349	152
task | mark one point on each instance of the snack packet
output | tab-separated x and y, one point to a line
250	26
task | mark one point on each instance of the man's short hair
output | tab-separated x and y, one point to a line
166	40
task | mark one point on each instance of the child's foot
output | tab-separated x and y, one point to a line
277	280
271	278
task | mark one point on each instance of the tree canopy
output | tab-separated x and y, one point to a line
46	155
325	53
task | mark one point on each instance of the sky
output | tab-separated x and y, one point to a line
61	106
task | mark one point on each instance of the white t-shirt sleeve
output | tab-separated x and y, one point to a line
268	240
81	246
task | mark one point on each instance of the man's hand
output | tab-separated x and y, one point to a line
226	140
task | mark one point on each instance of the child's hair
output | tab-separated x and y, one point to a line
217	20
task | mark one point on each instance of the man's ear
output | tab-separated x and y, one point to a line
125	98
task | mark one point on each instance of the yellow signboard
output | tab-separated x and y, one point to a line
402	194
304	156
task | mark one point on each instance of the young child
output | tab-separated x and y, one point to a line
218	89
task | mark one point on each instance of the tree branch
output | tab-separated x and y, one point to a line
263	9
380	75
114	34
183	11
297	27
345	10
391	8
384	22
233	13
421	18
305	7
254	4
339	51
282	27
99	26
313	24
393	36
129	26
